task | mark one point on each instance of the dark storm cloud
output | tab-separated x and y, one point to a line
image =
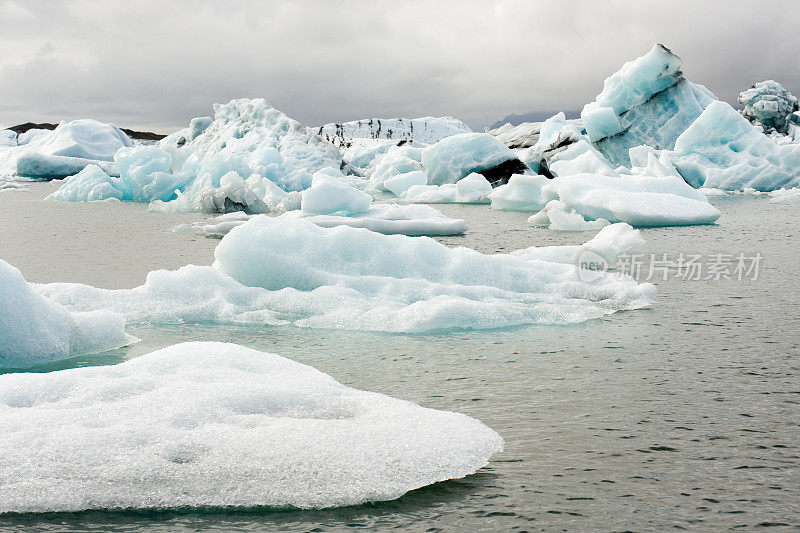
152	64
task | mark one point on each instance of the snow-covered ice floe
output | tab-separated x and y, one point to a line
389	219
34	329
219	425
769	105
271	271
64	151
568	202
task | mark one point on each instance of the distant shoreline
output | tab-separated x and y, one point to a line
133	134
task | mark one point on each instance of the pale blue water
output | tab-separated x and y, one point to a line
683	416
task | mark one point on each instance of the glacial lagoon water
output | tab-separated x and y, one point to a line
682	416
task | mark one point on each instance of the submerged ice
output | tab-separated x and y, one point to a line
219	425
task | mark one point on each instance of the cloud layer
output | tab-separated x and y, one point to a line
150	64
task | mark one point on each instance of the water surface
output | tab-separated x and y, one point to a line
682	416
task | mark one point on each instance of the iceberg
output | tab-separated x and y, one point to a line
648	101
640	200
273	271
328	196
722	150
34	329
208	424
65	151
455	157
474	189
609	243
522	193
769	105
250	157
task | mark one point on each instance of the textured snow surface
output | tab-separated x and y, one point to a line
64	151
426	130
722	150
34	329
277	271
212	424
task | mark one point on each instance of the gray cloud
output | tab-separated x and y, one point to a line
150	64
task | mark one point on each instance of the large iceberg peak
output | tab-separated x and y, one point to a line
769	105
648	101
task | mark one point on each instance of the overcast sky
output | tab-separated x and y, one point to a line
153	65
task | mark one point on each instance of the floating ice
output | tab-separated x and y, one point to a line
327	196
647	101
522	193
769	105
219	425
277	271
64	151
34	329
558	216
474	189
640	200
456	157
722	150
611	242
